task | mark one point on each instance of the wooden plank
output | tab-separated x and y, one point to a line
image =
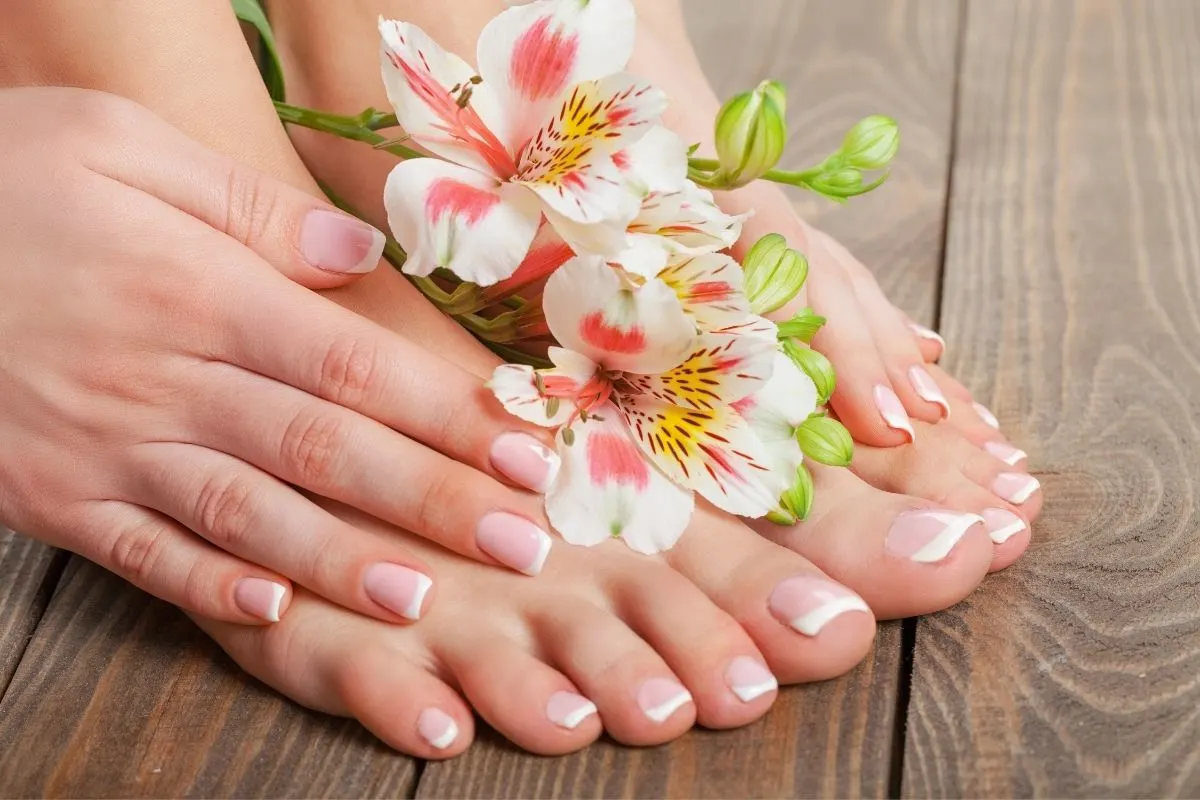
841	62
1073	300
26	581
120	695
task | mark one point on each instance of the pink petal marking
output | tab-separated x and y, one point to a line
613	458
542	61
449	196
709	291
598	333
538	264
621	160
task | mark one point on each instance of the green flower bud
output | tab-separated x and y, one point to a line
781	516
826	441
751	132
838	184
797	500
872	143
803	326
774	273
815	366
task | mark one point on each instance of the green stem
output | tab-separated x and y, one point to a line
794	178
361	128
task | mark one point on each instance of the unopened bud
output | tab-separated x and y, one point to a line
815	366
825	440
751	132
803	326
797	500
775	273
871	143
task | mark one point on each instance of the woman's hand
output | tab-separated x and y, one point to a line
164	388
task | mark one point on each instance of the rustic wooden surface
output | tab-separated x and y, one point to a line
26	582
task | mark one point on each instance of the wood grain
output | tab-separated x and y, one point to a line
26	581
1072	298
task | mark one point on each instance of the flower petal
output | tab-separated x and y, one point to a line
720	369
444	215
656	162
710	288
593	310
515	386
689	220
775	411
607	488
420	76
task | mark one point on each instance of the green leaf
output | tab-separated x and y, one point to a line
826	441
251	12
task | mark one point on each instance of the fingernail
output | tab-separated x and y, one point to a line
337	242
928	390
986	416
808	603
749	678
513	541
1002	524
525	460
892	410
928	334
1005	452
396	588
928	535
259	598
567	709
437	727
1015	487
662	697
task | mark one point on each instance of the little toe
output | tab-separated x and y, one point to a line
1004	480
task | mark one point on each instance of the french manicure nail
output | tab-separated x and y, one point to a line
925	387
337	242
808	603
927	334
567	709
892	411
400	590
513	541
437	727
525	461
259	597
928	535
1005	452
1002	524
987	416
749	678
662	697
1015	487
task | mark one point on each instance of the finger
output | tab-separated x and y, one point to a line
161	557
252	515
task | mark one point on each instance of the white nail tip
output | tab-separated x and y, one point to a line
447	738
1025	492
543	551
413	611
987	416
956	527
1007	532
927	334
748	693
371	260
661	712
277	593
571	721
553	465
811	623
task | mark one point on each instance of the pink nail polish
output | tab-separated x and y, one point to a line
892	411
513	541
927	389
808	602
987	416
662	697
525	461
1002	524
928	535
259	597
1005	452
337	242
400	590
437	727
749	678
1015	487
568	710
928	334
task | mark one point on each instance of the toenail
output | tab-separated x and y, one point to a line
928	535
437	727
925	387
259	598
525	460
1002	524
567	709
396	588
807	602
749	678
513	541
892	411
986	416
927	334
1015	487
1005	452
662	697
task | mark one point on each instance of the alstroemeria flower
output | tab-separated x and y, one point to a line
531	134
645	407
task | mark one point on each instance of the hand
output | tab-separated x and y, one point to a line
163	383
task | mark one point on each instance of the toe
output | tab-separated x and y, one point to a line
1005	479
1008	527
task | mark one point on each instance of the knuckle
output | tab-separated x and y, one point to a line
252	206
311	448
350	371
101	116
437	495
225	510
137	550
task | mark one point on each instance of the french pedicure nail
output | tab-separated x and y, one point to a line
928	334
892	411
513	541
337	242
749	678
662	697
1002	524
437	727
1015	487
928	535
567	709
1005	452
396	588
987	416
808	603
259	598
925	387
525	461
